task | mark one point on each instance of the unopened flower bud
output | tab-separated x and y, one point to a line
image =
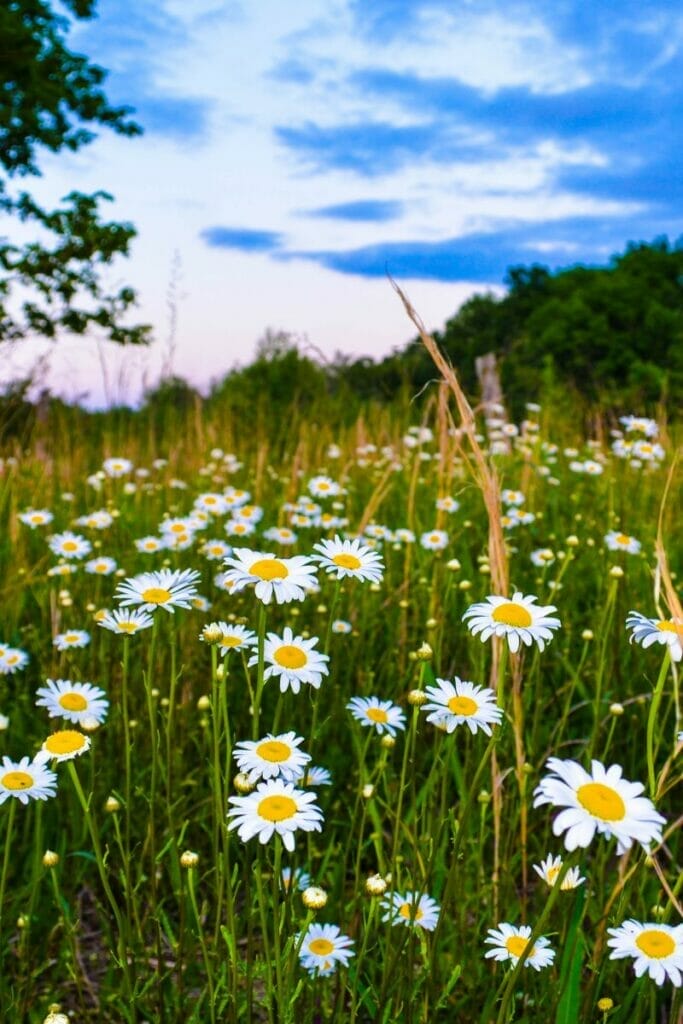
375	885
367	790
616	572
189	859
211	634
417	698
314	898
388	741
243	783
453	564
616	709
112	805
605	1004
204	703
484	797
464	585
587	634
424	651
50	859
431	623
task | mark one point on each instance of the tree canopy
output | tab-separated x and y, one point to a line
51	98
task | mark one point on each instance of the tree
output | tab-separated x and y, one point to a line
48	98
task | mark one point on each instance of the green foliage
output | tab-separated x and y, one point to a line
47	97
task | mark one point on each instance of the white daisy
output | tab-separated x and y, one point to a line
510	941
349	558
26	780
125	622
382	714
434	540
280	535
447	504
228	636
236	528
168	589
315	776
235	497
101	566
248	514
274	807
69	545
116	467
550	868
601	801
452	704
510	497
656	948
341	626
34	517
216	550
213	503
411	909
12	660
272	757
323	487
542	557
323	947
64	745
74	701
149	545
99	520
661	631
640	425
285	579
617	541
297	876
293	660
73	638
517	618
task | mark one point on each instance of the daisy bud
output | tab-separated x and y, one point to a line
120	573
314	898
22	921
321	609
112	805
464	585
431	623
453	565
204	703
367	791
50	859
424	651
55	1017
164	702
605	1004
375	885
90	607
412	655
484	797
616	572
485	568
587	634
133	723
4	723
417	698
658	912
388	741
89	723
403	603
616	709
243	783
155	691
221	673
189	859
211	634
375	588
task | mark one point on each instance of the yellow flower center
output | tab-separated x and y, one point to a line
68	741
17	780
623	538
12	659
230	641
150	545
321	947
601	801
511	614
36	519
552	873
655	943
71	638
347	561
73	702
273	750
69	545
127	627
277	808
178	528
668	626
516	945
377	715
156	595
269	569
411	912
209	501
462	705
290	657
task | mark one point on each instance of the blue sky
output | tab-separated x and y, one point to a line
295	154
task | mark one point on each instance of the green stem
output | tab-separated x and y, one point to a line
5	860
202	943
651	720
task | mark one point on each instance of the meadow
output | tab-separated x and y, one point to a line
401	757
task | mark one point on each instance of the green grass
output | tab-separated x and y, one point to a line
119	930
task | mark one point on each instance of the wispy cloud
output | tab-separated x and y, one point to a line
369	210
244	239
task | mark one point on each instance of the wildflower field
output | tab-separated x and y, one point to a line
341	721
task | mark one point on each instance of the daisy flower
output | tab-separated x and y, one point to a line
69	545
216	550
36	517
656	948
235	528
323	947
213	503
341	626
148	545
26	780
660	631
101	566
116	467
280	535
293	660
248	514
295	876
550	868
64	745
510	941
452	704
12	660
315	776
74	701
74	638
349	558
517	618
285	579
382	714
323	487
272	757
404	535
542	557
412	909
447	504
434	540
616	541
599	801
640	425
510	497
274	806
126	622
228	637
168	589
99	520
